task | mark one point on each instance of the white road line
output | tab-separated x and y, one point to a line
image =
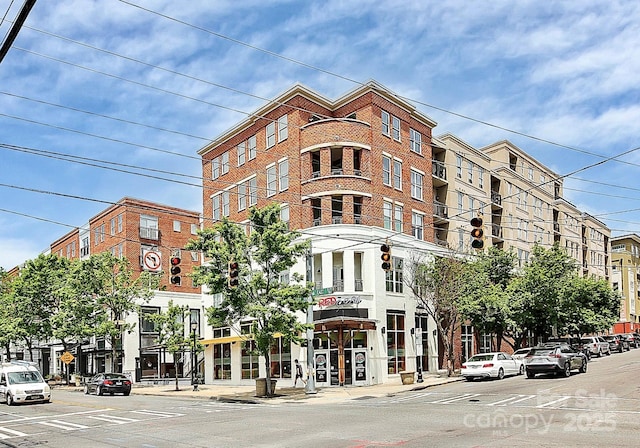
511	400
157	413
67	426
113	419
413	396
454	399
11	433
552	402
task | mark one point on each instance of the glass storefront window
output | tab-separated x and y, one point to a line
395	342
250	367
222	361
280	359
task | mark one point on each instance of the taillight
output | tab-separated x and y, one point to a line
463	366
108	382
555	356
127	383
490	364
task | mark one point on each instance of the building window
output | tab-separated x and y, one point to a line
250	366
481	177
395	342
271	134
397	174
386	213
396	128
271	181
385	122
459	166
253	191
415	138
242	196
357	209
283	128
460	202
417	180
120	223
176	226
215	168
222	361
252	147
467	342
242	153
112	226
225	203
224	164
194	229
280	359
393	277
284	214
397	218
386	170
417	225
470	171
149	227
215	201
283	175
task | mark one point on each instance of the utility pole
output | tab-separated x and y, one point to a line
15	28
310	387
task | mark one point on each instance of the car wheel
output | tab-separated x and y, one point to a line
10	401
98	390
609	352
126	394
620	350
530	374
567	370
521	371
583	367
86	389
501	373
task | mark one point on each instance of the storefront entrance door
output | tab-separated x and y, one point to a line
322	367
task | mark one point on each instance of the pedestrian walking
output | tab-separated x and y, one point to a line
299	374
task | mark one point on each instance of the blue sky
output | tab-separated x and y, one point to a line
148	83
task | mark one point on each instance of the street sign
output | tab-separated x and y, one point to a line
152	260
66	357
321	292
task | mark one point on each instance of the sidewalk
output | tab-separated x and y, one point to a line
247	394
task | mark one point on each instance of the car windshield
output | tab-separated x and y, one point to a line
542	351
609	338
522	351
585	341
477	358
24	377
114	376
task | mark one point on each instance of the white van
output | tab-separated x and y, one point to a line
21	382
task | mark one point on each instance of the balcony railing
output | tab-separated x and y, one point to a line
440	209
336	171
338	285
496	198
358	285
149	233
315	174
439	170
336	220
317	222
357	219
496	230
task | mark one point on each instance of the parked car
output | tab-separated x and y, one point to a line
490	365
597	345
108	383
631	339
519	355
555	358
574	342
616	343
21	382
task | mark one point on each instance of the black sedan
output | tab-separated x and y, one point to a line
108	383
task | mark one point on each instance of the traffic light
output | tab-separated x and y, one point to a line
477	233
386	257
175	271
232	275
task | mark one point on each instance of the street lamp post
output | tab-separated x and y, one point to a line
194	383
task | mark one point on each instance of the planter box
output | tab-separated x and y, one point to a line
407	377
261	387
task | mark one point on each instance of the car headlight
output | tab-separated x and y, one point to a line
47	389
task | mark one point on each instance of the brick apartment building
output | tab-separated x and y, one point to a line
149	235
360	171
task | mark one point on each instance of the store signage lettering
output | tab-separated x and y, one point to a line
337	301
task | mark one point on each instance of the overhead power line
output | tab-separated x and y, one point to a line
15	28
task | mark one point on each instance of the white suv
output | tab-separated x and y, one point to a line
596	344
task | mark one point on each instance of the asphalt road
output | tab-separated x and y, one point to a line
599	408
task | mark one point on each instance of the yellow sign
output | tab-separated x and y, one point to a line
66	357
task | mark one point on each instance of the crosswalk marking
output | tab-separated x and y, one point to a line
454	399
113	419
511	400
10	433
157	413
67	426
544	405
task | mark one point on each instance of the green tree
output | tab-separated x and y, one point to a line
270	304
487	304
171	332
9	325
118	292
587	306
439	285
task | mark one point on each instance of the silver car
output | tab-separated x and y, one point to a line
597	345
560	359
